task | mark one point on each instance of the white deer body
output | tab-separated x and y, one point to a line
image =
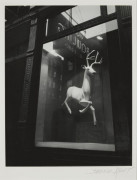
82	95
75	93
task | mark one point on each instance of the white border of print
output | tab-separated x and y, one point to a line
66	173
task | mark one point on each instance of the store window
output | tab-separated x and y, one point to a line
74	105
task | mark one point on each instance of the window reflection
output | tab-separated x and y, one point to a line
80	14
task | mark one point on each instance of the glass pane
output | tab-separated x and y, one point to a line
72	17
111	9
74	105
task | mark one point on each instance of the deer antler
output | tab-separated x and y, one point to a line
89	57
95	62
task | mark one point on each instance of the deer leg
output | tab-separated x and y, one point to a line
68	108
85	109
94	116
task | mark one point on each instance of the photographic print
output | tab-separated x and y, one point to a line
68	86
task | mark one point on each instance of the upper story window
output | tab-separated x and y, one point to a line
111	9
71	17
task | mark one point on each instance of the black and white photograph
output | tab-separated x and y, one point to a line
68	86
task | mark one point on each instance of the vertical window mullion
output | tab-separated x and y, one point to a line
103	10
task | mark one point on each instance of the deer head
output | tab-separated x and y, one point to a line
89	57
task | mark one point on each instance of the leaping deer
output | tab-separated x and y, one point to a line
82	95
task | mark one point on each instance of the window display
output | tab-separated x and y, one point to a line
74	105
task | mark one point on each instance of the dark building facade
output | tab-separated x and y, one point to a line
46	48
